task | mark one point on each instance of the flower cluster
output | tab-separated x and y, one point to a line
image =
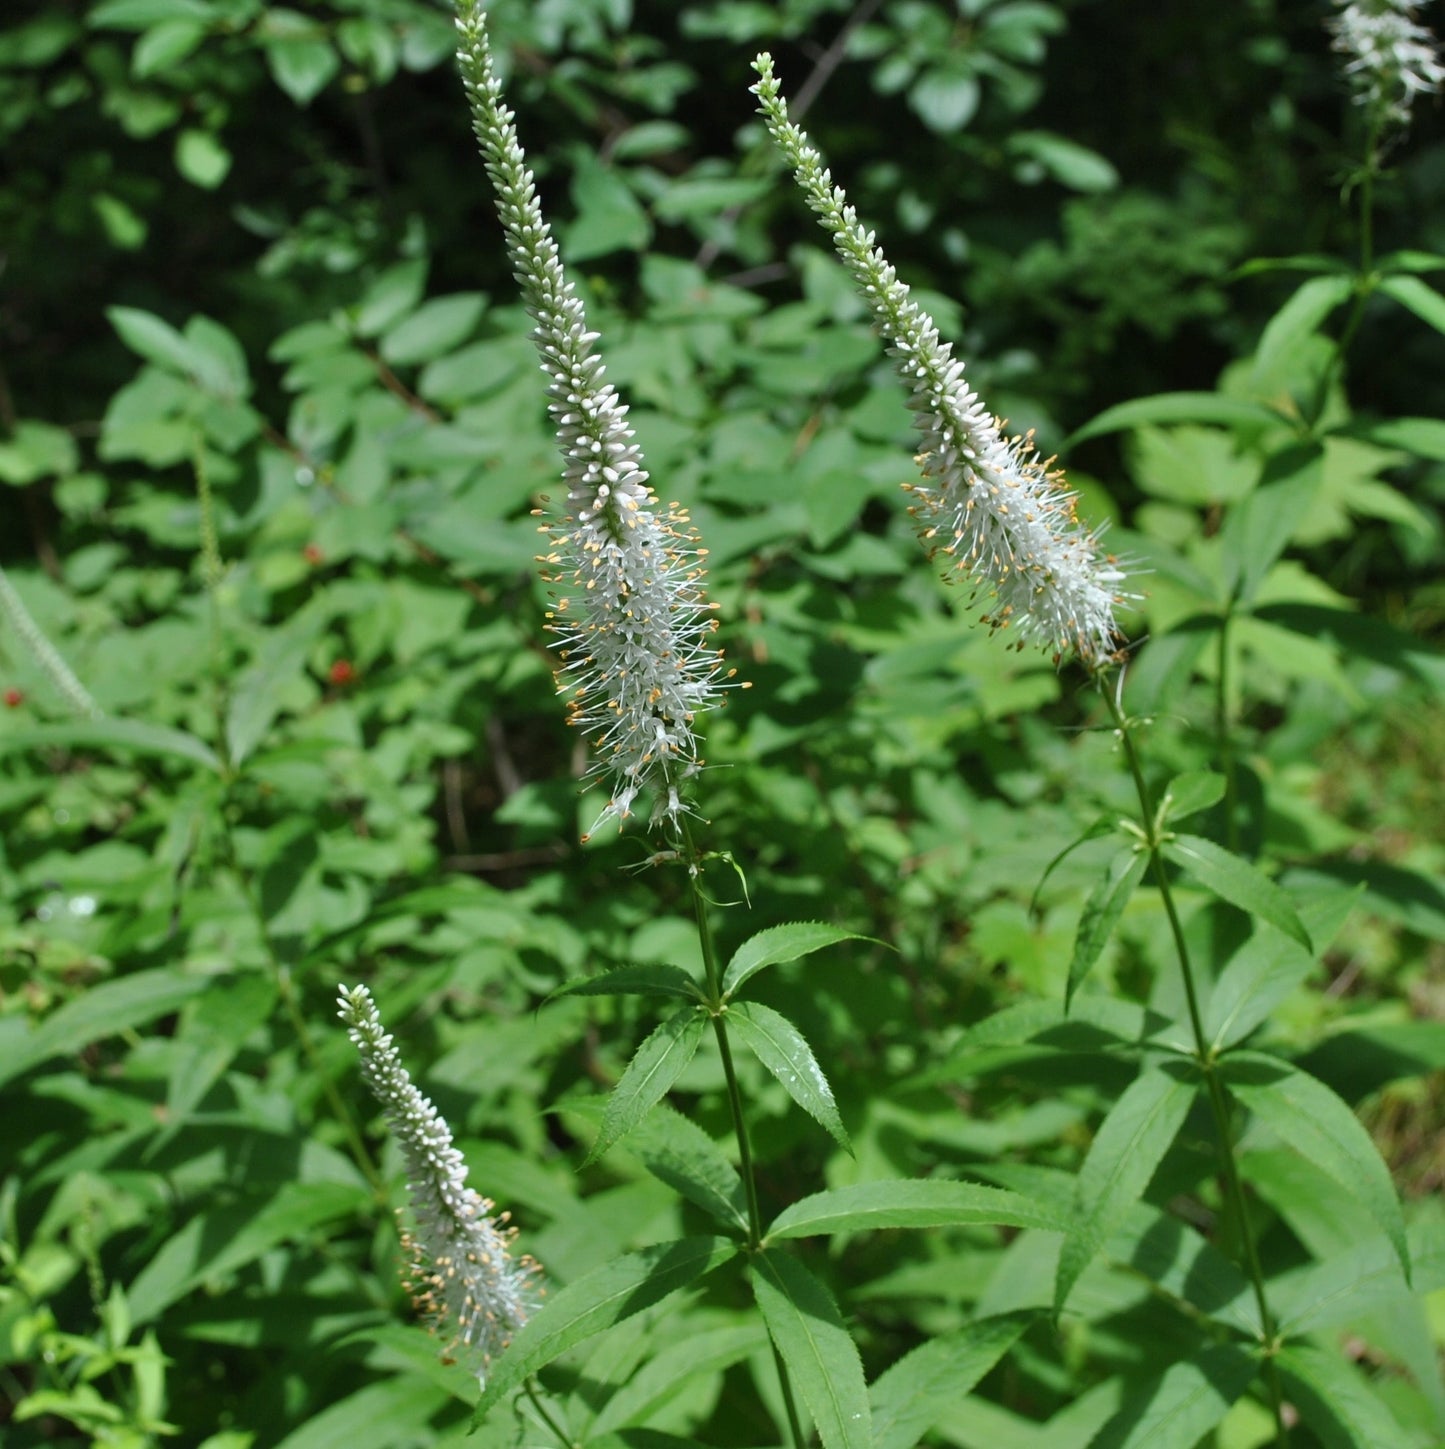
634	629
1391	57
462	1275
987	501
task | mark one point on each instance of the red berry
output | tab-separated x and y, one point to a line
14	698
342	672
312	553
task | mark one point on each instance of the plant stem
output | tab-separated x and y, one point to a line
563	1437
1365	278
1224	737
1209	1067
718	1014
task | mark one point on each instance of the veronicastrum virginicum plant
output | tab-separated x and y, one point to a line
633	627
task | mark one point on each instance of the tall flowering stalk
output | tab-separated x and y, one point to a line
987	501
1390	58
462	1274
634	629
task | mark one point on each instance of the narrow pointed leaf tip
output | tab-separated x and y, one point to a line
633	628
462	1275
987	502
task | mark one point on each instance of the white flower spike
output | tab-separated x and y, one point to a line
1391	58
462	1275
634	629
987	501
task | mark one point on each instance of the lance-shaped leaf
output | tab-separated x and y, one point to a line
1101	914
1128	1147
1311	1120
1177	1409
805	1325
605	1296
678	1152
632	981
659	1062
1335	1400
923	1385
1193	790
114	734
1236	881
1103	825
777	944
781	1048
1268	967
914	1203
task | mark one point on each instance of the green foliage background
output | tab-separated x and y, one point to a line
253	245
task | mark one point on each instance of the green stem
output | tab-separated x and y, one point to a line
1365	278
1224	737
1208	1066
543	1413
718	1013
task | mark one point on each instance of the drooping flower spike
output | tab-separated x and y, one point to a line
635	626
987	501
1391	58
462	1275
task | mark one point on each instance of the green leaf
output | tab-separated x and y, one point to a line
607	1295
202	159
1178	407
1343	1289
913	1203
101	1011
777	944
154	339
1192	791
1101	914
435	328
918	1390
1177	1409
258	694
142	14
1129	1144
394	294
1098	828
1268	967
300	57
1413	294
659	1062
1311	1120
1259	527
37	450
1236	881
1367	636
822	1359
1069	163
113	734
1424	437
681	1359
780	1047
1311	303
675	1150
215	1244
165	45
1335	1400
657	980
379	1416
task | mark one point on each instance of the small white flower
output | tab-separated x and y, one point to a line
1391	58
634	630
987	501
462	1275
